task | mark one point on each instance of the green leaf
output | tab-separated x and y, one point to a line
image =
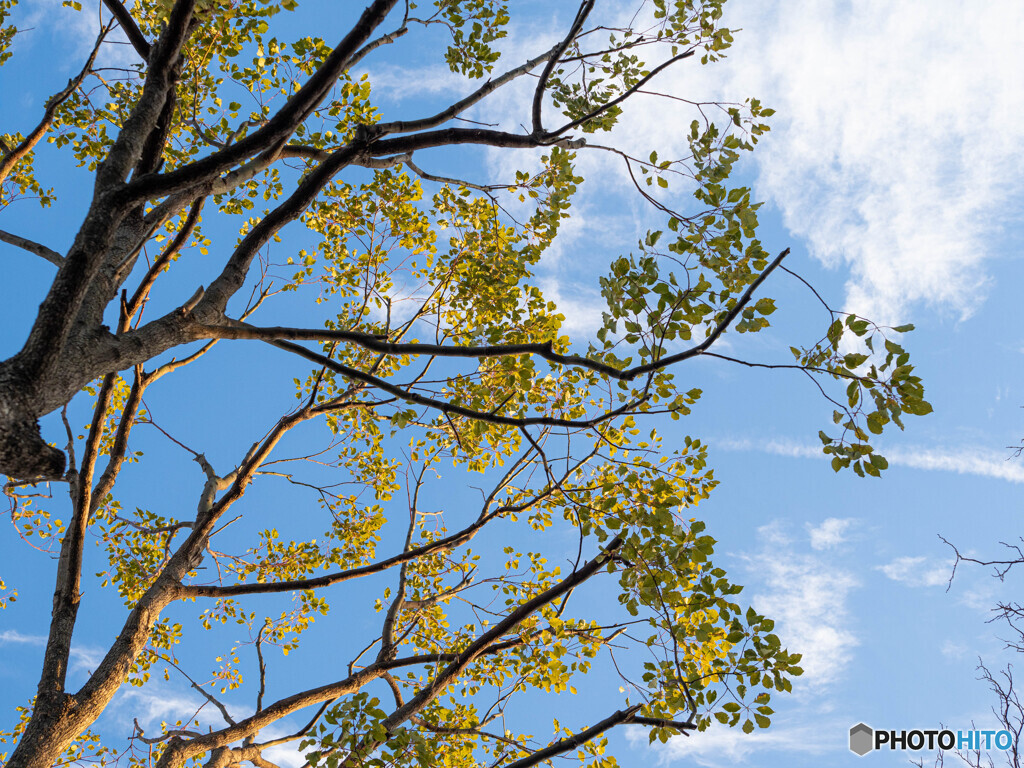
876	422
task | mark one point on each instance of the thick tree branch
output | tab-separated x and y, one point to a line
69	568
36	362
538	94
279	128
445	137
131	29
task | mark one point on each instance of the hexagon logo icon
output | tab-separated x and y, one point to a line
861	739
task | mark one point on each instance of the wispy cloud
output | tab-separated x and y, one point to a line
953	650
75	32
400	83
722	747
806	595
14	636
894	151
916	572
964	461
777	446
163	703
981	462
84	658
831	533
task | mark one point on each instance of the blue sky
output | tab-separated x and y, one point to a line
893	170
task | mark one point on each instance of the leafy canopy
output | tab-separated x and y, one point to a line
498	491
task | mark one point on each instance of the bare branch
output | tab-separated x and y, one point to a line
462	105
32	247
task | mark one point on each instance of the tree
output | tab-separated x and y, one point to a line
432	352
1008	708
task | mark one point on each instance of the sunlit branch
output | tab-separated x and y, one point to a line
10	158
172	249
276	130
178	751
543	349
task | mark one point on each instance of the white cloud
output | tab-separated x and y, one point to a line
14	636
894	151
400	83
806	595
964	461
285	755
582	308
86	659
953	650
831	533
724	747
980	462
83	658
916	572
75	31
